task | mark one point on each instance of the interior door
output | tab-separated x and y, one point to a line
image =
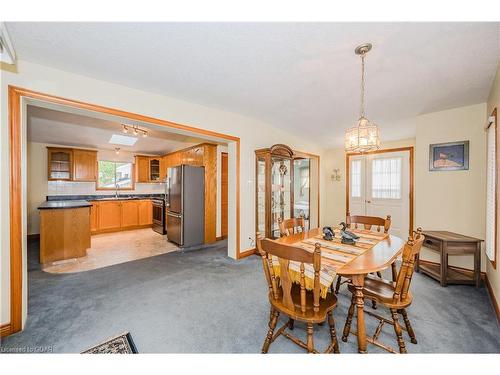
380	186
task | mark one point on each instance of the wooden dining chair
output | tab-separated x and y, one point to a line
368	223
291	226
395	296
292	299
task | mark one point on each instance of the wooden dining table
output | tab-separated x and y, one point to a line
378	258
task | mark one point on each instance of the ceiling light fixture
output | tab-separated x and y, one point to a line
135	130
117	150
365	136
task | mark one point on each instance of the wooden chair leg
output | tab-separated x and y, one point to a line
333	333
337	287
272	325
347	326
291	324
399	331
409	328
310	342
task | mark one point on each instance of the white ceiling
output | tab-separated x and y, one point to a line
69	129
302	77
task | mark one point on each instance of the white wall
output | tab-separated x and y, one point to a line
253	134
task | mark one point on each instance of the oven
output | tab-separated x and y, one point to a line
159	216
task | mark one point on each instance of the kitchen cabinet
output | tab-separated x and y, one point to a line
60	163
110	215
71	164
93	217
154	169
84	165
141	168
117	215
129	214
145	208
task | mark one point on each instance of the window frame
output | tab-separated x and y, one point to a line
132	177
400	159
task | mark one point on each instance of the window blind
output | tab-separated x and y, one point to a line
491	193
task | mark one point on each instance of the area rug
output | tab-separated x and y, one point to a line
121	344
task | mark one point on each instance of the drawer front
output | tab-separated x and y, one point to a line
432	243
461	247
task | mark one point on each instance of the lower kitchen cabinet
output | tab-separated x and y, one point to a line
111	216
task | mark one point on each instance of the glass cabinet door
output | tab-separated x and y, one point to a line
261	197
281	197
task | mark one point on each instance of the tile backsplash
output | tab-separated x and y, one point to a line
88	188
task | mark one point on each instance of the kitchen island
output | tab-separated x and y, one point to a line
64	230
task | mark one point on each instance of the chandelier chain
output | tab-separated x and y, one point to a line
362	110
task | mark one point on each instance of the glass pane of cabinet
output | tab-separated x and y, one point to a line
281	189
301	189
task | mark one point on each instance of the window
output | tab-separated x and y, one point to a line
491	193
356	178
386	178
112	173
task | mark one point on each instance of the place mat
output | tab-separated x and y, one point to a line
334	255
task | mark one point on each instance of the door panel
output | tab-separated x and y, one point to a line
130	214
224	190
175	192
385	188
109	214
356	191
174	228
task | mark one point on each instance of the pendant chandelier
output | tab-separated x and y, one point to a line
365	136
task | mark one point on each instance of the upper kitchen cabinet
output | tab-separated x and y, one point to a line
71	164
141	168
84	165
154	169
149	168
60	163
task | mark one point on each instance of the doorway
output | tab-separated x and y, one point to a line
380	184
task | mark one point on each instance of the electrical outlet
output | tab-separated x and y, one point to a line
252	241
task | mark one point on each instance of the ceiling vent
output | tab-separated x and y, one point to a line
7	53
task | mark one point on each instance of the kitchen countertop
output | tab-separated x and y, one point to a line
48	205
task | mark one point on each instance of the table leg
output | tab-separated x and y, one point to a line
477	265
444	264
358	282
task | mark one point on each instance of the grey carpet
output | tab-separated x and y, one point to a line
203	302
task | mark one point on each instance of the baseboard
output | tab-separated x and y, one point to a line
5	330
492	298
220	238
247	253
483	274
121	229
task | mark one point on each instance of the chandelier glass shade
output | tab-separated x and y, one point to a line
365	136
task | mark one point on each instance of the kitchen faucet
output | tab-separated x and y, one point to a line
116	189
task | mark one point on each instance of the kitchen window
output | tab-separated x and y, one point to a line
112	173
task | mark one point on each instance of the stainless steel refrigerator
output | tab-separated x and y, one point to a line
186	205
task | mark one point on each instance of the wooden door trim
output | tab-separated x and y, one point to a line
410	149
497	157
223	155
15	94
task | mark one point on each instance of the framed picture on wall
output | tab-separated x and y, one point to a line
451	156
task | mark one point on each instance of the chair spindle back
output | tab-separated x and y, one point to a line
280	285
369	221
291	226
410	252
